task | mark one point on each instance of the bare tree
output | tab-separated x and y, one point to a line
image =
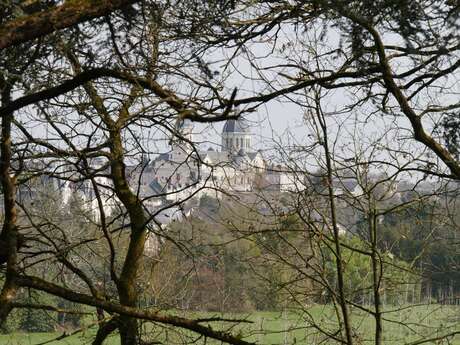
106	114
101	90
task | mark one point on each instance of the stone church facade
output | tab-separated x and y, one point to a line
186	172
185	169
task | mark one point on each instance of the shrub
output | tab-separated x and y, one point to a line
37	320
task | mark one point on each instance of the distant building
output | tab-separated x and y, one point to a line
187	170
184	172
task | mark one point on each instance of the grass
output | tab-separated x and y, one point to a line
409	324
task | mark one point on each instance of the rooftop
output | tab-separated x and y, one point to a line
236	126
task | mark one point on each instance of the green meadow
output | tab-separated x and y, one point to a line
409	324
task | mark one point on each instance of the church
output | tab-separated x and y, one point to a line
186	169
186	172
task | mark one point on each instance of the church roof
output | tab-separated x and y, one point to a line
156	187
236	126
242	152
160	158
252	155
216	157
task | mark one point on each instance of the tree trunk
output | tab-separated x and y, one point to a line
8	183
126	285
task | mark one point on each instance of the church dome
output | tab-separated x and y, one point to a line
236	126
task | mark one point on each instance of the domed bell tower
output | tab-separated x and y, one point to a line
236	136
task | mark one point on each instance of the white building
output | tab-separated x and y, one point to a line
187	170
85	191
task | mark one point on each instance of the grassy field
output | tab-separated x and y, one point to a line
410	324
